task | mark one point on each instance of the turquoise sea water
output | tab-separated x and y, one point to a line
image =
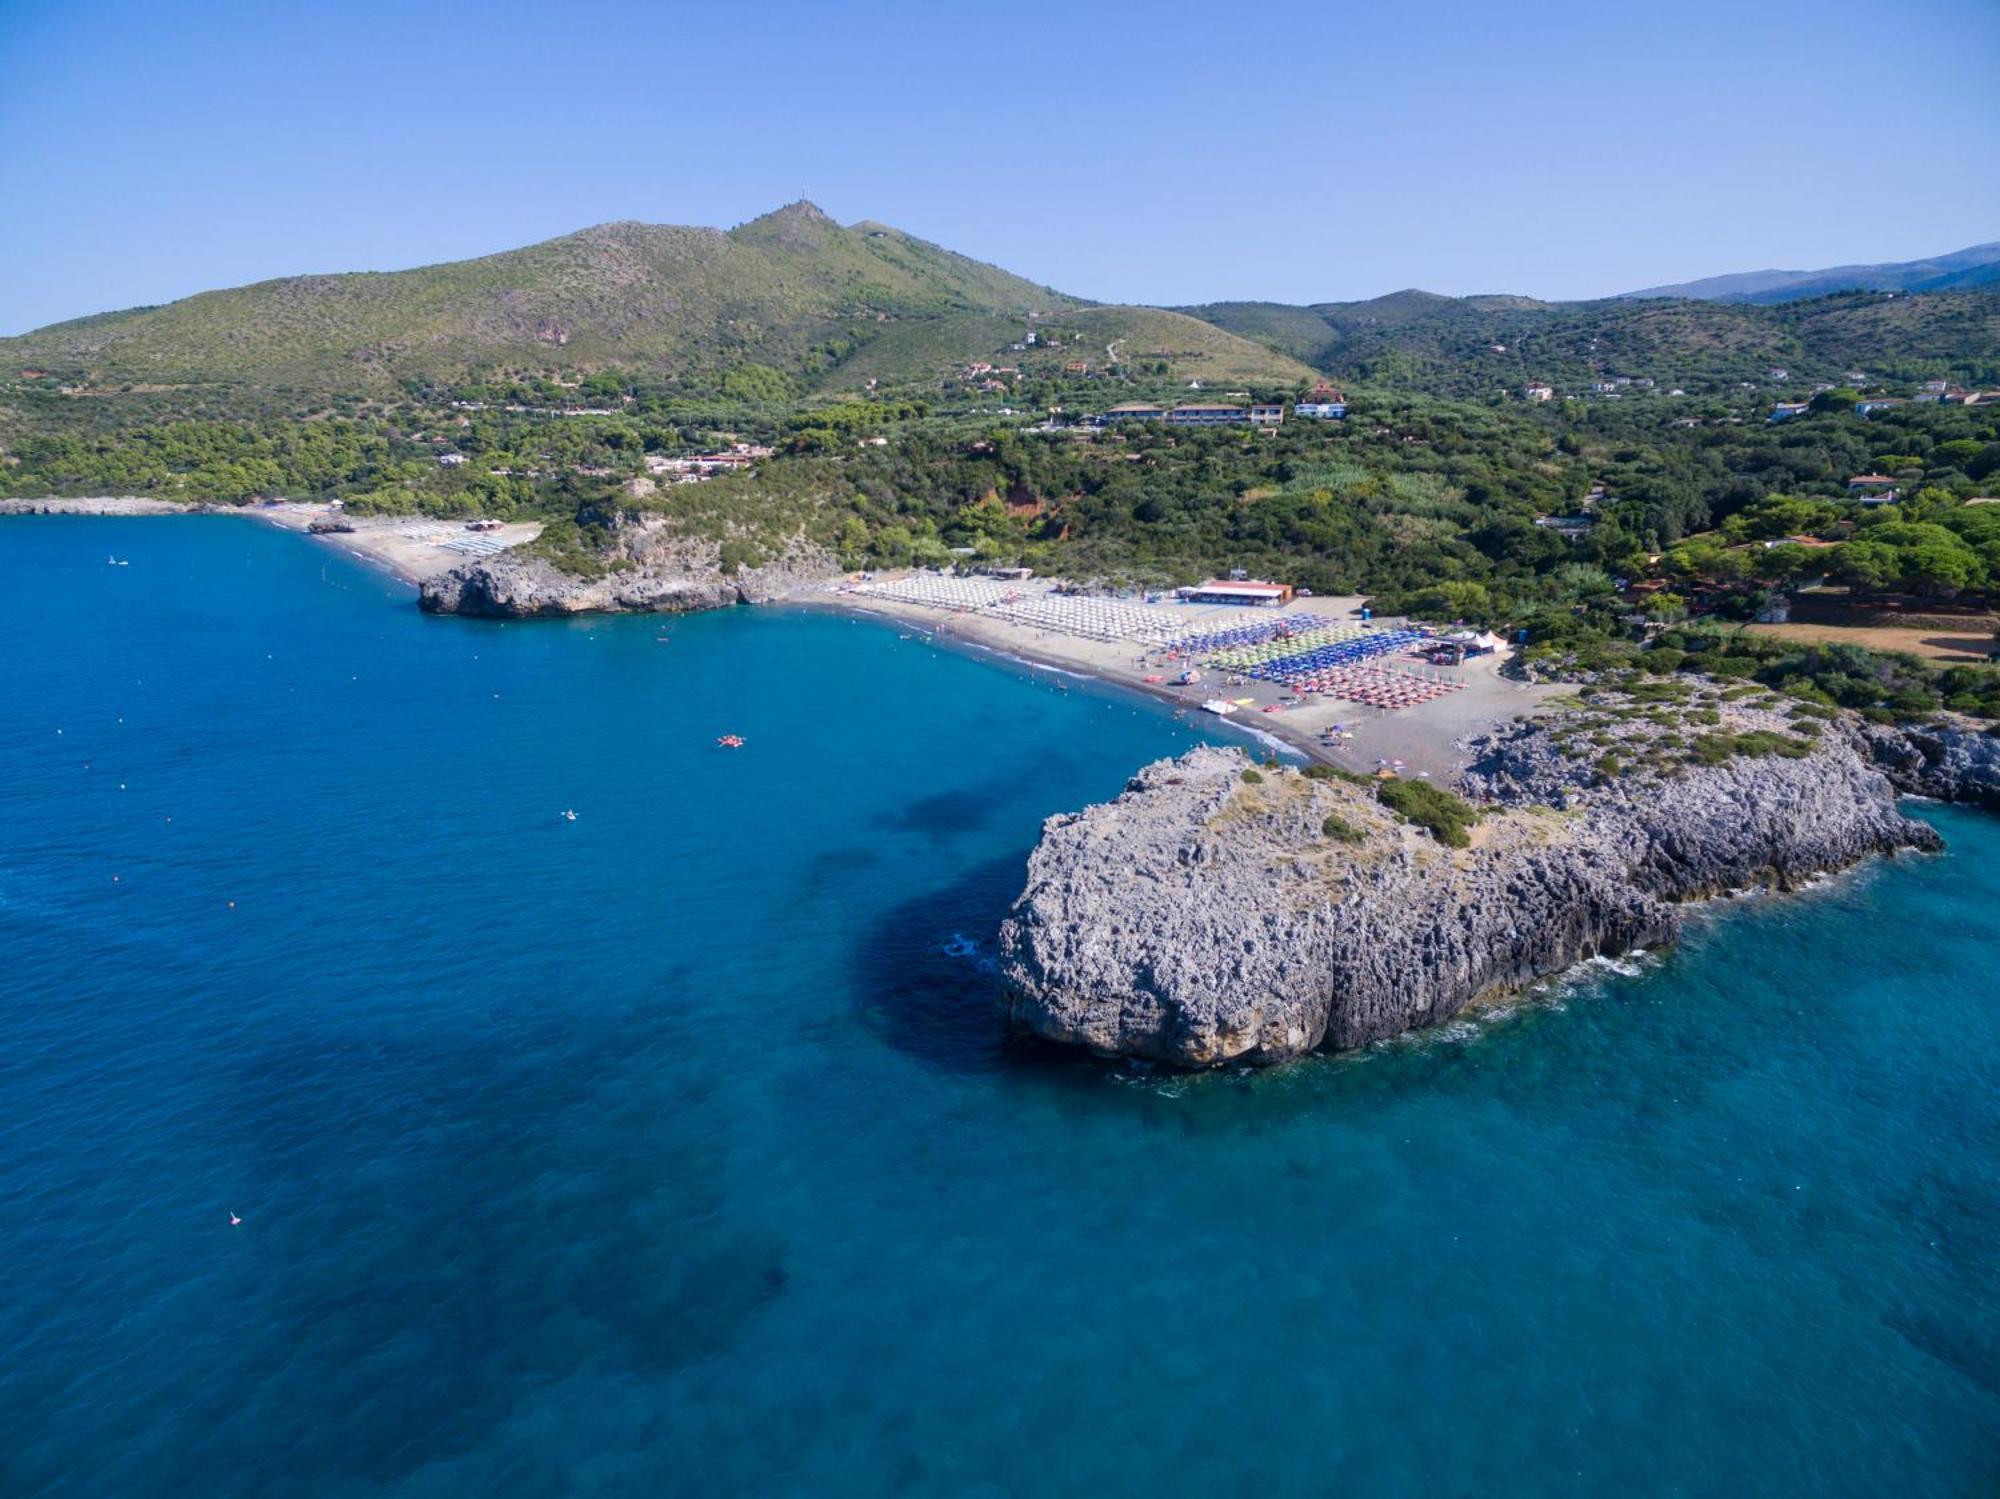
676	1149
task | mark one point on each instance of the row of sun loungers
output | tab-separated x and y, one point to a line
1256	632
1064	614
1244	657
474	546
1297	664
954	594
1093	619
1378	686
1307	653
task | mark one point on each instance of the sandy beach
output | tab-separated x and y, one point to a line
409	547
1425	738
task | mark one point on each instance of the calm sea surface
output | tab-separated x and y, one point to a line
676	1149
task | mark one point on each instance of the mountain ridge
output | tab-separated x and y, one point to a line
1976	265
792	288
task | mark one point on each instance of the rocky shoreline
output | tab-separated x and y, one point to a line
650	569
1207	917
110	504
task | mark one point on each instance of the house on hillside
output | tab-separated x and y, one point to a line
1784	411
1872	489
1567	526
1267	413
1940	393
1322	411
1877	403
1133	411
450	460
1208	416
1540	393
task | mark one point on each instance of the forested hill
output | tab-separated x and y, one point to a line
793	291
1477	346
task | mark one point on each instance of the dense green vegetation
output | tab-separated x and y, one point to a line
1493	347
1433	504
1446	817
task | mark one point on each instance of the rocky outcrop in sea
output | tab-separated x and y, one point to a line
1949	759
650	568
1203	917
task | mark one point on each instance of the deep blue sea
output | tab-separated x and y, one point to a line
676	1149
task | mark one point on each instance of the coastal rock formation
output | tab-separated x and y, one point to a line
1201	918
115	504
510	587
1952	760
649	569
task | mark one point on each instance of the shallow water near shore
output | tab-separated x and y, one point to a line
676	1148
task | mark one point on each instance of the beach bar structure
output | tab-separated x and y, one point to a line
1237	591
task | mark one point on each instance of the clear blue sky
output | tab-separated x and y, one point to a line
1152	152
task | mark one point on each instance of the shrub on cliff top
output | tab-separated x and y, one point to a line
1714	749
1334	773
1448	818
1340	829
1251	776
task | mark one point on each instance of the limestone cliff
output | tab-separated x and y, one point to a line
1951	759
1200	918
649	568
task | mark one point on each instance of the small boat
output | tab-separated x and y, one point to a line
570	816
730	741
1220	707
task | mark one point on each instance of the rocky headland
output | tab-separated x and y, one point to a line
109	504
1209	916
648	567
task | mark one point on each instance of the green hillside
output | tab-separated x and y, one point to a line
1297	332
1139	341
1475	346
792	290
655	297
